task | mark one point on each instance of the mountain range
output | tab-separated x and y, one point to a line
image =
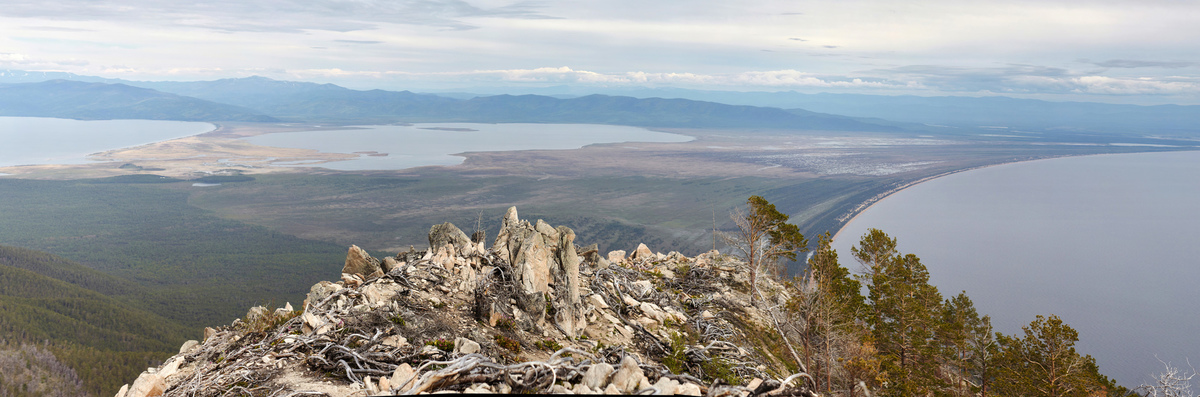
261	99
55	94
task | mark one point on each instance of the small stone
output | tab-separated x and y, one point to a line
359	262
754	383
666	386
628	376
389	264
256	313
188	346
598	301
642	253
209	332
616	256
465	346
351	280
612	390
385	384
147	385
503	388
124	389
370	386
401	375
642	287
688	389
319	292
707	315
395	341
597	375
582	389
560	390
170	368
643	384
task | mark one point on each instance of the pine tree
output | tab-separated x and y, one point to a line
763	237
1044	362
903	314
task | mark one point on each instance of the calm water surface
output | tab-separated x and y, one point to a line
1111	244
435	144
37	140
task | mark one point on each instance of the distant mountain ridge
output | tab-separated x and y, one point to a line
98	101
264	99
963	112
311	101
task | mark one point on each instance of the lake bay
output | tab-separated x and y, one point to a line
39	140
419	145
1108	243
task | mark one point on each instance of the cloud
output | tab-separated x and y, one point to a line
22	61
565	75
1129	64
273	16
359	41
56	29
1114	86
1019	78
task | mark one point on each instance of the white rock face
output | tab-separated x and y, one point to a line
643	253
597	376
666	386
188	346
688	389
147	385
465	346
628	376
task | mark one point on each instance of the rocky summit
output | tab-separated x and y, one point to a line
535	313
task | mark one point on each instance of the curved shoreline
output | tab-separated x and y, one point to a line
850	216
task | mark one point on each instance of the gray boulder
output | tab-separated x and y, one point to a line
447	233
360	262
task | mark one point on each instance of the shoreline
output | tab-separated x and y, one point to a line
850	216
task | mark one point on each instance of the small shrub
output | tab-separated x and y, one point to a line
441	344
506	323
508	343
397	319
549	345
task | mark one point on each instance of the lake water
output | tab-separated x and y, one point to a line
435	144
1111	244
37	140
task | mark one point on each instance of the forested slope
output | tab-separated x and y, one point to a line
100	337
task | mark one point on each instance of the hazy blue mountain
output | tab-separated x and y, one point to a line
98	101
955	111
8	76
305	101
328	102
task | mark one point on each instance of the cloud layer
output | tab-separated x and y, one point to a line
1110	49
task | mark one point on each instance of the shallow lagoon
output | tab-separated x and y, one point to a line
435	144
1108	243
38	140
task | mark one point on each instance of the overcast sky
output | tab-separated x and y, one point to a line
1140	51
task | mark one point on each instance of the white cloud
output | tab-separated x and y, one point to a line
1146	86
566	75
23	61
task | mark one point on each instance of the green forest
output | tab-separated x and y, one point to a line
105	340
904	338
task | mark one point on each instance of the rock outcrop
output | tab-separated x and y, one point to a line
535	313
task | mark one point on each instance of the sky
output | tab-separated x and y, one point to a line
1140	51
